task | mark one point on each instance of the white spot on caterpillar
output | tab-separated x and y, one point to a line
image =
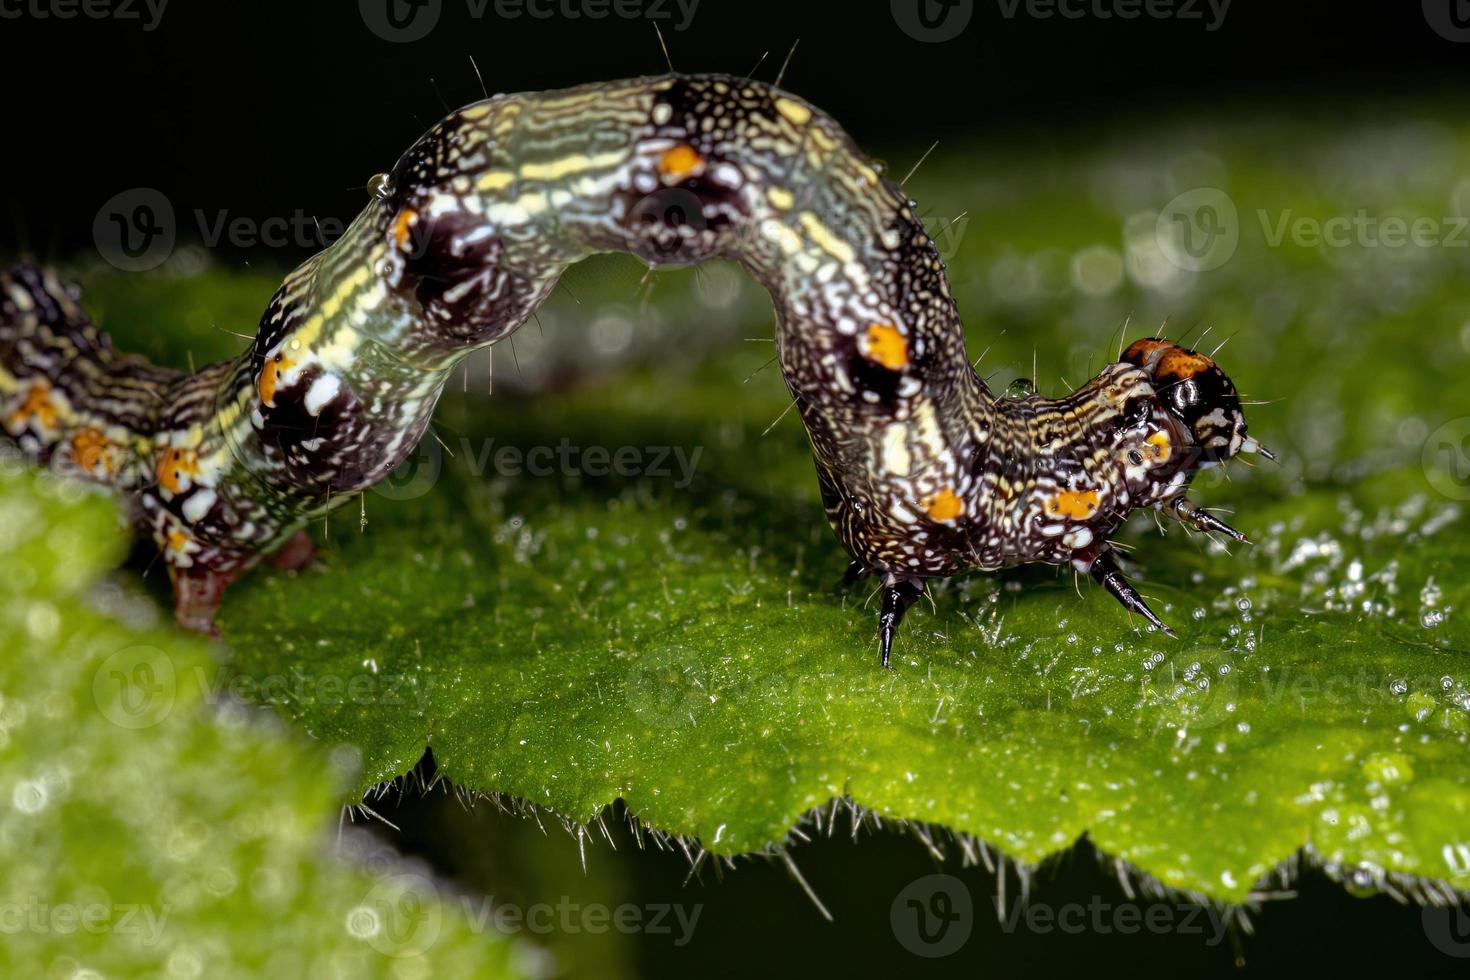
896	457
782	235
198	504
727	175
322	391
928	429
1080	538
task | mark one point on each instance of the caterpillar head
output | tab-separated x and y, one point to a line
1200	395
1146	445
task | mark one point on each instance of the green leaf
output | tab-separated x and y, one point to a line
145	832
681	643
689	654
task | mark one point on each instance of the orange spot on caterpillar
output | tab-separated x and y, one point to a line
177	541
405	221
270	377
173	466
91	449
1161	444
1077	505
944	505
887	346
1181	363
1139	351
679	162
39	404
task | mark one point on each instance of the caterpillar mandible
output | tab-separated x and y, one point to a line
923	472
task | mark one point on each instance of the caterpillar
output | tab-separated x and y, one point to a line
923	472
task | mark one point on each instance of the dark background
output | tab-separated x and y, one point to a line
264	110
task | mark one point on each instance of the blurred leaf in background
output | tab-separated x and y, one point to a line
148	826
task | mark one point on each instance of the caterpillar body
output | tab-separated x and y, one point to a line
923	472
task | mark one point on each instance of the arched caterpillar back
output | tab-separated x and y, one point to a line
923	472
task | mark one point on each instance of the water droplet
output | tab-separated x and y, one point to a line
30	796
1020	388
363	922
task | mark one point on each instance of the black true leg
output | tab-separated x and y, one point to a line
1191	513
856	571
1105	570
896	601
